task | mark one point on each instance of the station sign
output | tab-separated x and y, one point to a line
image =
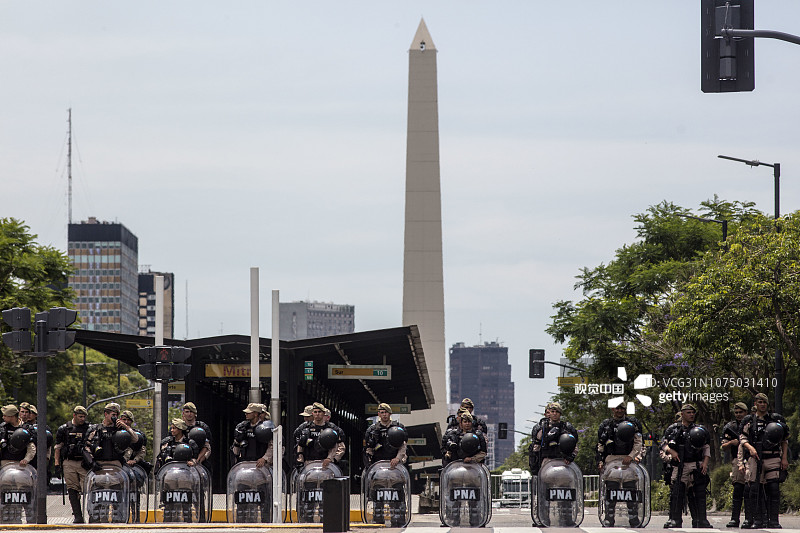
308	368
568	381
136	403
397	409
419	441
383	372
235	370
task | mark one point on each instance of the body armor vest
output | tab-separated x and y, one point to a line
249	448
73	440
377	439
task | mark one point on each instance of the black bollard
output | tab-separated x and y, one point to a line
336	505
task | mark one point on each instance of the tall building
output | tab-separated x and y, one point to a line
423	280
147	303
307	320
482	373
105	258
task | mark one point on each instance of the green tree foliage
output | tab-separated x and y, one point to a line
518	459
745	300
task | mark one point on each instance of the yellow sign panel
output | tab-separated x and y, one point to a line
177	386
421	441
420	458
360	372
571	380
220	370
144	403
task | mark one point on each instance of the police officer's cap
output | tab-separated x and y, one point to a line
80	410
554	406
741	405
467	402
114	407
30	407
10	410
688	407
253	408
307	410
385	407
317	405
190	406
761	396
180	424
467	416
128	414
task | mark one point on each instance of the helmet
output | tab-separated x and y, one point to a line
470	444
121	439
328	438
49	438
142	438
198	435
263	433
567	443
396	436
19	440
47	432
626	431
698	436
182	452
775	432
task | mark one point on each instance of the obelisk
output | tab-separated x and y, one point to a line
423	282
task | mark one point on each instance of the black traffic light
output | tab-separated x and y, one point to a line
19	339
59	338
727	63
164	363
536	369
502	430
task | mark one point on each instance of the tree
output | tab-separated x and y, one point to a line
518	459
745	300
31	275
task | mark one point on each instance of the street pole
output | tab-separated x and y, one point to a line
40	329
776	173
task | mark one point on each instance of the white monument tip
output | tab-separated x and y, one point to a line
422	39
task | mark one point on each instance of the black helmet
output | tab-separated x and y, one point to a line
19	440
396	436
198	435
775	432
47	432
626	431
698	436
49	437
142	438
567	443
121	439
263	433
470	444
328	438
182	452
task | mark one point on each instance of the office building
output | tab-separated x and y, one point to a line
307	320
105	258
483	374
147	303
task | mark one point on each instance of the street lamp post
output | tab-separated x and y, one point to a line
776	173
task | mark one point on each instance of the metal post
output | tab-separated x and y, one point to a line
160	406
275	408
776	172
40	328
84	376
255	368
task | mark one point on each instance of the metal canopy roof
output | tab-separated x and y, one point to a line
399	347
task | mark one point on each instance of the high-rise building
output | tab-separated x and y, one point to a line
483	374
147	303
307	320
105	258
423	279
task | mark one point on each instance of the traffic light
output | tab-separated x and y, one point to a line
59	338
727	63
502	430
536	369
164	363
19	339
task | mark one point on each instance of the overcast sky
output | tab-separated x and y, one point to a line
227	135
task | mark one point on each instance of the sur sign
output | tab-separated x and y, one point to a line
360	372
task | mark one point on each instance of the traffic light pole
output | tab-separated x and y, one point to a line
768	34
40	329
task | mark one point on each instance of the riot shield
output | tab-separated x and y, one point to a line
558	500
183	493
107	496
17	494
309	490
249	493
624	495
464	495
139	491
386	494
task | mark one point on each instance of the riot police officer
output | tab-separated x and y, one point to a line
546	442
308	448
618	438
189	415
68	457
381	444
178	446
252	439
764	445
688	447
730	444
108	441
468	406
306	414
468	444
16	442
